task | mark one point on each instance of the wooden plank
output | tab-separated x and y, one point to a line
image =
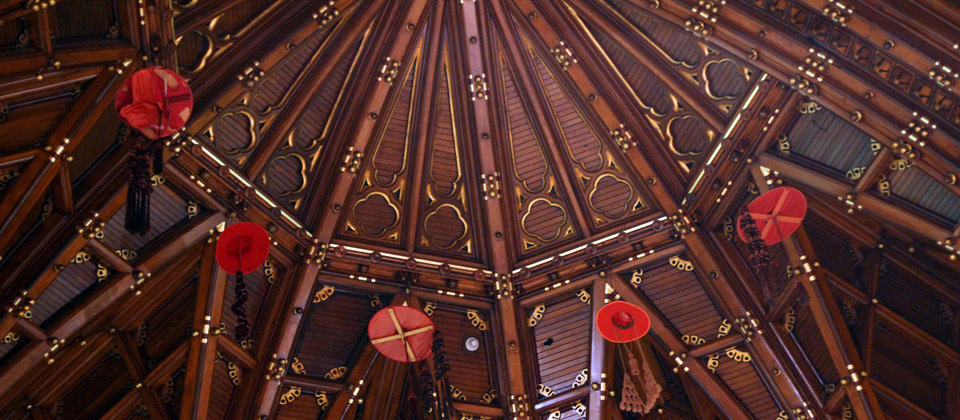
598	405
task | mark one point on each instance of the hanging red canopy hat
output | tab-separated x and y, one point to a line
242	248
777	213
155	101
622	322
401	333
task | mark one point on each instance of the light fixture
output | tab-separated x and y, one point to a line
471	343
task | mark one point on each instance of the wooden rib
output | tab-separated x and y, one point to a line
155	378
211	289
598	406
311	383
236	353
89	53
829	320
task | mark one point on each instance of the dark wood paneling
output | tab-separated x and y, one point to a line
469	371
167	209
106	383
680	297
921	189
331	331
567	325
743	380
827	138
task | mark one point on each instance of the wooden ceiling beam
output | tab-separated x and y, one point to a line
599	405
474	19
126	345
829	320
63	140
102	53
103	299
147	391
211	290
871	203
336	46
710	383
311	383
902	406
626	34
236	353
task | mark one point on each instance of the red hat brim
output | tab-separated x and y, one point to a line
613	333
382	325
242	247
778	213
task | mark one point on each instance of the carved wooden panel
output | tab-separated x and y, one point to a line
828	139
685	134
746	384
77	277
606	190
106	383
720	77
72	21
901	365
236	130
292	166
533	189
379	197
201	46
562	341
331	330
915	186
447	223
679	296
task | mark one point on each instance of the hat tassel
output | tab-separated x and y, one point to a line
137	220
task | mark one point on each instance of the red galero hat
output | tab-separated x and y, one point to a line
242	247
622	322
778	213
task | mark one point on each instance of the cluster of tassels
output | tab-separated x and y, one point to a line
428	396
630	398
239	309
140	186
441	367
757	250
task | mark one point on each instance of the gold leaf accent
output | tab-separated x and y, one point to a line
289	396
157	180
81	257
883	186
545	391
192	209
584	296
809	107
680	263
724	328
457	394
580	408
11	337
323	294
537	315
856	173
297	366
581	378
783	143
489	396
636	278
323	400
900	165
783	416
693	340
728	228
476	320
739	355
554	415
269	271
429	307
335	373
102	272
126	254
375	300
790	320
234	372
713	362
141	334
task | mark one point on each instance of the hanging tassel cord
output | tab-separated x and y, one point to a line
137	219
242	331
759	255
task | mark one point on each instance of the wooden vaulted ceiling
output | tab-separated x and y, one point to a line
507	166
